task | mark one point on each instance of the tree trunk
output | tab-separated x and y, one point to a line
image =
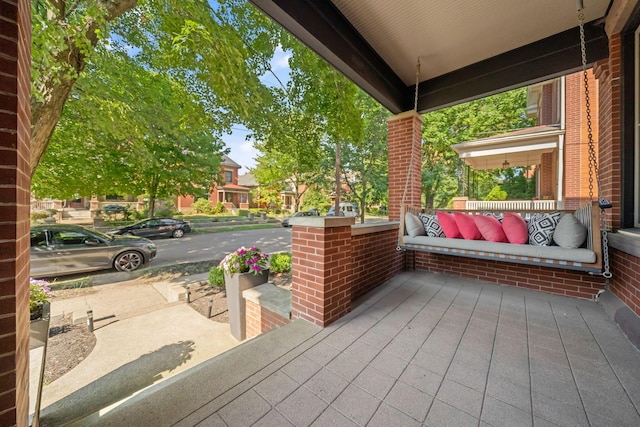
56	88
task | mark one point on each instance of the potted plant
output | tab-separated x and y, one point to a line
39	308
243	269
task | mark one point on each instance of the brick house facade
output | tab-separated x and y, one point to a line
230	194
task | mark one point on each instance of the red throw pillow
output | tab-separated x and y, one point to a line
448	224
490	228
467	226
515	228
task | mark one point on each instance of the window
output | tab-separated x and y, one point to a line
228	176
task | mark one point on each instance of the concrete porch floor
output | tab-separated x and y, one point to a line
424	349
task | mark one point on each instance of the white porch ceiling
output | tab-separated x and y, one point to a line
520	148
450	34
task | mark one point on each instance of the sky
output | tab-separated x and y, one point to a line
242	151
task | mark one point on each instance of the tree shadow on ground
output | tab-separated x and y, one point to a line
117	385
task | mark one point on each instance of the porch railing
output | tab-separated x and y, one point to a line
511	205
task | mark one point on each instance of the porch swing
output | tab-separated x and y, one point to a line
592	257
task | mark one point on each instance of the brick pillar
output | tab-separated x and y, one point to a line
321	279
15	125
608	72
576	150
404	140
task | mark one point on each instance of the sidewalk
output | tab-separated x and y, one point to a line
143	340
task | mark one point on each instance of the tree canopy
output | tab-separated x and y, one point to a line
443	175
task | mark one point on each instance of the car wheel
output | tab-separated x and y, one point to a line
128	261
178	233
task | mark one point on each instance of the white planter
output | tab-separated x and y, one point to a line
235	284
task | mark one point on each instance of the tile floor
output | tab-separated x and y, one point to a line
434	350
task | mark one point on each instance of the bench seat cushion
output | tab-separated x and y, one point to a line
556	253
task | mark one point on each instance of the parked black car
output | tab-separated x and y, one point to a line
57	250
155	227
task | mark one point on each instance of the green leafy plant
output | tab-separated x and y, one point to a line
216	276
245	260
280	262
39	294
202	206
38	215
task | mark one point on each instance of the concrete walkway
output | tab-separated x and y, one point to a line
143	341
424	349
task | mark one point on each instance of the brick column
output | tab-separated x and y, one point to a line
15	125
321	279
608	72
404	140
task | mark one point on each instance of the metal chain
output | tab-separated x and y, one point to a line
413	135
593	160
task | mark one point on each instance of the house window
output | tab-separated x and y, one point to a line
228	176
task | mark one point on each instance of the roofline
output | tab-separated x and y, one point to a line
324	29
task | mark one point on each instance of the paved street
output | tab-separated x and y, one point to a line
214	246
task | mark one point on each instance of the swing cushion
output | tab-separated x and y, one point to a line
467	226
542	227
515	228
570	233
448	223
431	225
413	225
490	228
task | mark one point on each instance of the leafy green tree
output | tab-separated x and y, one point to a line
517	185
496	193
314	198
129	130
443	175
213	49
364	162
63	38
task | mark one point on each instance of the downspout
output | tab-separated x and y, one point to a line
563	126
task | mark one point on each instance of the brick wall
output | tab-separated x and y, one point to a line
625	283
550	280
404	150
576	152
260	319
15	44
321	292
609	77
334	263
374	259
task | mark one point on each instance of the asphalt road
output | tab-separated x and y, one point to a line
215	246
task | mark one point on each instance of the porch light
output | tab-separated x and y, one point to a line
505	164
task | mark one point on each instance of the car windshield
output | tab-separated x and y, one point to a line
102	235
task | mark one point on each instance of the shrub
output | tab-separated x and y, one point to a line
216	276
166	212
496	193
38	215
218	209
280	262
202	206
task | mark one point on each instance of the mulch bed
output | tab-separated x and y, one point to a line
68	345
